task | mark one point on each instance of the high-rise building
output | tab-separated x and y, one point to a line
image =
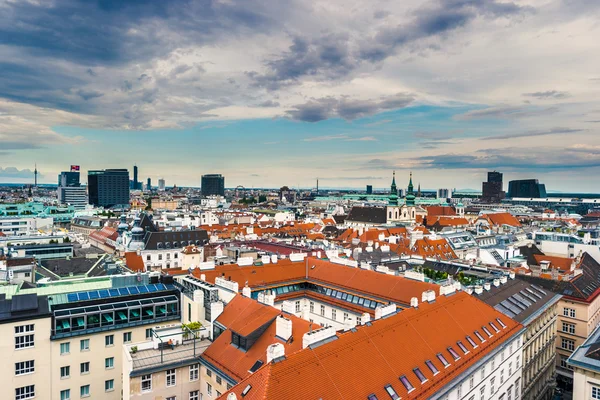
69	189
369	189
492	189
108	188
526	188
161	185
149	184
213	184
135	184
444	193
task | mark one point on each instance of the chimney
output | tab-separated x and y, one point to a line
487	286
447	289
428	296
274	259
469	290
414	302
283	327
478	289
504	279
512	275
366	317
318	335
288	307
246	292
203	277
267	299
496	282
384	311
231	396
349	323
275	351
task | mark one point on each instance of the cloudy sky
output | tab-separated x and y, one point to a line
281	92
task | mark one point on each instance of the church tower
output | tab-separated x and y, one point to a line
393	199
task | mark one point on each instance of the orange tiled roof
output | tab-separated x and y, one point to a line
243	316
502	219
377	355
562	263
433	211
134	261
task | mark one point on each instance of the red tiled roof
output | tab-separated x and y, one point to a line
361	363
134	261
502	219
562	263
433	211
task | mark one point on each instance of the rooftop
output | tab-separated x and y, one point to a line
188	350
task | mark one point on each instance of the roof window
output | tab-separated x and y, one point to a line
501	323
494	326
390	390
479	336
246	390
462	347
471	341
453	353
432	367
420	375
443	360
407	383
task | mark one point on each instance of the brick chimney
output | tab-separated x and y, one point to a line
283	327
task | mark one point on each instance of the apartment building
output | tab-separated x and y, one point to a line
585	363
578	311
18	226
448	347
78	335
536	309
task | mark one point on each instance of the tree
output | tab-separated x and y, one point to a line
262	198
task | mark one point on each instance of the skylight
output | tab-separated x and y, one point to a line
420	375
494	326
453	353
462	347
501	323
471	341
246	390
479	336
371	397
390	390
443	360
487	331
432	367
406	383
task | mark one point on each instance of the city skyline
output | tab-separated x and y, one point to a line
271	95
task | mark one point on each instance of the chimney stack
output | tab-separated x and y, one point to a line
275	351
288	307
414	302
283	327
318	335
246	292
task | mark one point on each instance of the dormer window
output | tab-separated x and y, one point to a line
159	245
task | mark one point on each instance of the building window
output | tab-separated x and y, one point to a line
595	392
298	306
492	381
567	344
65	372
509	368
127	337
24	337
209	389
65	394
569	312
109	385
24	367
471	382
346	316
195	395
171	398
517	365
194	372
517	385
109	363
170	377
501	376
148	333
109	340
482	393
322	310
219	380
218	393
509	393
312	307
84	391
146	383
148	257
25	392
160	257
568	328
84	367
563	362
65	348
333	314
84	345
190	312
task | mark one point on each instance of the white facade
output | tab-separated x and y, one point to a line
163	258
496	376
75	196
23	226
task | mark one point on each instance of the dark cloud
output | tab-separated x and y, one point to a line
320	109
352	178
89	94
549	94
553	131
268	103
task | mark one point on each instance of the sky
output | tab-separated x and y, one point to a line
272	93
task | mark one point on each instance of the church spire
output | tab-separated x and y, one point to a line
410	184
393	199
394	190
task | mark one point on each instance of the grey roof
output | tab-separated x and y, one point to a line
374	215
518	299
174	240
587	355
74	266
23	307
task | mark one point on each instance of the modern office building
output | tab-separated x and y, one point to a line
369	189
213	185
444	193
149	184
528	188
161	185
109	188
135	184
69	190
492	189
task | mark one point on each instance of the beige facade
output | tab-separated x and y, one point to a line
94	363
173	383
28	361
585	383
539	365
576	321
212	385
